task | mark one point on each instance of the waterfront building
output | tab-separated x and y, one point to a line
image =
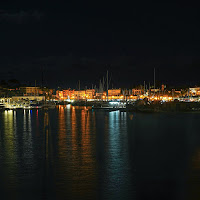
194	91
178	92
79	94
31	90
132	97
90	93
163	87
59	94
101	95
75	94
136	91
30	98
114	92
65	94
155	90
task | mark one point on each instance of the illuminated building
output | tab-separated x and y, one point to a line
155	90
194	91
38	98
79	94
90	93
30	90
84	94
59	94
133	97
163	87
101	95
114	92
65	94
136	91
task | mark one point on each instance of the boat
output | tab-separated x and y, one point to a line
49	105
2	106
105	108
108	106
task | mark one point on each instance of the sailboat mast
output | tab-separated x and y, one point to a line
154	81
107	85
149	91
35	89
103	84
79	87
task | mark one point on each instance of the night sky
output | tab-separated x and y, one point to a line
81	41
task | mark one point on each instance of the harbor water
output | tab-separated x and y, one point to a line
77	153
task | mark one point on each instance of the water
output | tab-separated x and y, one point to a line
76	153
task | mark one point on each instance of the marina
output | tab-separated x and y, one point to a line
10	104
123	106
99	101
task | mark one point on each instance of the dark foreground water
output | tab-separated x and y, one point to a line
74	153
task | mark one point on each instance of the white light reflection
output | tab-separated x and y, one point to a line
68	106
9	146
117	151
27	141
15	122
29	122
24	119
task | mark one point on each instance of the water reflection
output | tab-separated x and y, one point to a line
77	153
118	166
194	176
62	160
37	123
87	165
27	140
46	134
81	165
9	150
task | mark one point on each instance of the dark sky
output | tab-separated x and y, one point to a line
80	41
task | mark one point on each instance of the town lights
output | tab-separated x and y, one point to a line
141	97
114	103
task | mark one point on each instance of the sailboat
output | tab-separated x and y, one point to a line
104	105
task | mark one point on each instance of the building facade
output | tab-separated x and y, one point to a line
194	91
30	90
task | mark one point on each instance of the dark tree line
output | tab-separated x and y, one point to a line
12	83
